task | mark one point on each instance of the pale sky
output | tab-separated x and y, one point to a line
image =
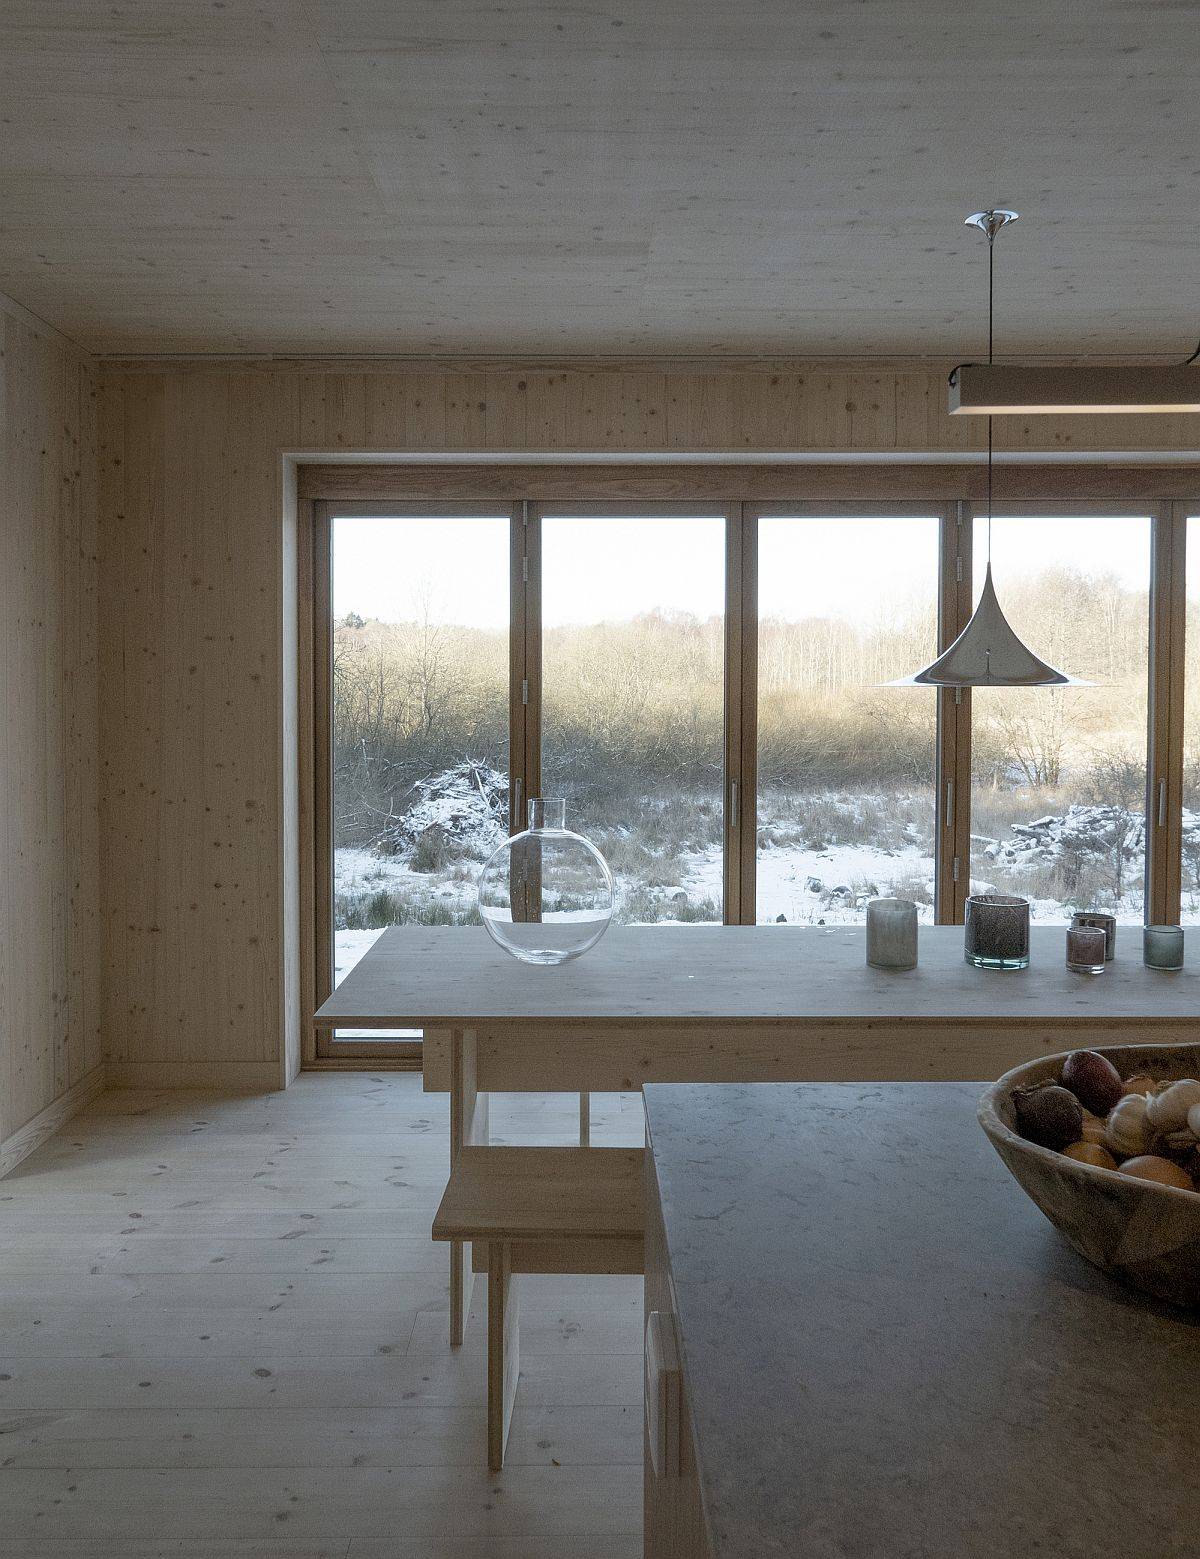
615	568
1103	544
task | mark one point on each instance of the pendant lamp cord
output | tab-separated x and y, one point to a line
991	238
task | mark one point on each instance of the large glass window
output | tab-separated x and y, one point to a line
419	762
633	613
599	651
1190	841
846	766
1059	774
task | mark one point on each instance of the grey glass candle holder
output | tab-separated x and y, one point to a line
1085	949
996	932
1105	922
892	934
1162	947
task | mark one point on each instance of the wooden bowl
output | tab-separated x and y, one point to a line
1145	1234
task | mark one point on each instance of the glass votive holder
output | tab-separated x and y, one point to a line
996	933
1162	947
1106	923
892	934
1085	949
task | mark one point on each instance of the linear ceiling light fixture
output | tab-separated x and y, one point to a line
1011	390
981	390
987	653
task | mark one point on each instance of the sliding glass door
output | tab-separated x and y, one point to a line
846	765
418	661
1058	802
633	699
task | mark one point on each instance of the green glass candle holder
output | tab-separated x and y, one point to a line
1162	948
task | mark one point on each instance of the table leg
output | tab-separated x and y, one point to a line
585	1120
468	1125
504	1361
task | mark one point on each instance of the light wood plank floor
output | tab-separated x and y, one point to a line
223	1335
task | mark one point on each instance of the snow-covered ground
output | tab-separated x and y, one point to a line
358	875
828	886
348	948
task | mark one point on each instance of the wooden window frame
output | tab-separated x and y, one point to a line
1164	763
742	493
321	1048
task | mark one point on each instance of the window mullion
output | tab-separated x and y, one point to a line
954	723
525	662
741	724
1165	714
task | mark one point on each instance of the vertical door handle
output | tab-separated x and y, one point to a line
664	1396
733	803
1162	803
950	803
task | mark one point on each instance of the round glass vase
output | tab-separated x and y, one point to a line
546	895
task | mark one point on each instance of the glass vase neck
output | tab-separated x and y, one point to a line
547	814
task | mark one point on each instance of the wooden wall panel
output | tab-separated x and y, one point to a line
50	1042
193	563
190	743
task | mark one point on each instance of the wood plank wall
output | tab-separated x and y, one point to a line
192	673
50	1039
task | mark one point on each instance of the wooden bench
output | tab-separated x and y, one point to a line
538	1210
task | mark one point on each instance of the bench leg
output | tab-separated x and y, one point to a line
504	1361
585	1120
462	1279
468	1126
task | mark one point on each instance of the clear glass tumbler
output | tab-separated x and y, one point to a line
1106	922
1085	949
892	933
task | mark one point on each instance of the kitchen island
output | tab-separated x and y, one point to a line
865	1342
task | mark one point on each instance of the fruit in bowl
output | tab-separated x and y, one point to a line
1107	1143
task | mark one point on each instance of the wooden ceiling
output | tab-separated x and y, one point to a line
631	177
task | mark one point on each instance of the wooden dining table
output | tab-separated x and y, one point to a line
720	1003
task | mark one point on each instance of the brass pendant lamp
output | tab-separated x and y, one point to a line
988	653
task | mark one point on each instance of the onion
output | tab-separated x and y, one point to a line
1093	1079
1048	1114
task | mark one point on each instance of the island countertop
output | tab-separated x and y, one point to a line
889	1353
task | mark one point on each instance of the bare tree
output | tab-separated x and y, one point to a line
1035	726
1115	785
